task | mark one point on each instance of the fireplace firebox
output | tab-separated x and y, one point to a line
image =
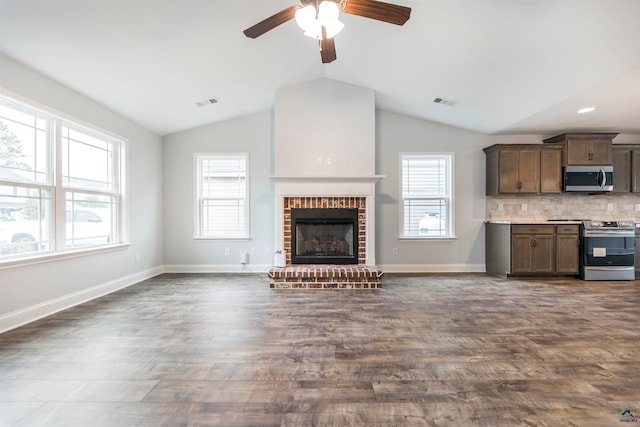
324	236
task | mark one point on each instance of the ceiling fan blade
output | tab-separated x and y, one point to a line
386	12
327	48
271	22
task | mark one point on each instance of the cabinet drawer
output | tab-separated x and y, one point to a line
533	229
568	229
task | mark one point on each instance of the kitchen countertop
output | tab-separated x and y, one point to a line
534	221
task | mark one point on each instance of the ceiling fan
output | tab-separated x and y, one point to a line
319	19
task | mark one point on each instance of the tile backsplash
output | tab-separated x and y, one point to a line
564	206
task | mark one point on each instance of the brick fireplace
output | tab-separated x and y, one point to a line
345	193
324	155
330	203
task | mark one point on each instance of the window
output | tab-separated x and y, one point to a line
426	195
60	184
222	196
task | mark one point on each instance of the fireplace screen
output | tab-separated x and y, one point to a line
324	236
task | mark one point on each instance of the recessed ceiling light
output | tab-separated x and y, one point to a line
586	110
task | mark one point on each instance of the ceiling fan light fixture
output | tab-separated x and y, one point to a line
328	14
306	17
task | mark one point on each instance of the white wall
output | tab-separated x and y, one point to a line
324	128
397	133
36	290
183	253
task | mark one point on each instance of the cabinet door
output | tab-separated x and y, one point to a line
635	171
637	257
550	171
621	170
529	171
543	254
508	174
600	152
568	254
578	152
521	254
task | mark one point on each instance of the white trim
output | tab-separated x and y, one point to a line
30	314
57	256
433	268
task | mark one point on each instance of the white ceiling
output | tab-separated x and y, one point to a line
513	66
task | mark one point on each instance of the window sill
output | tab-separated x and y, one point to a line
57	256
428	238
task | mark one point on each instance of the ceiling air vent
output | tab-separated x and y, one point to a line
445	102
206	102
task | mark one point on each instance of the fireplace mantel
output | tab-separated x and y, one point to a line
328	186
344	179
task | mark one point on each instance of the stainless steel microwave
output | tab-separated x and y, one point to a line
588	178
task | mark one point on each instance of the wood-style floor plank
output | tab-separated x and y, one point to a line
430	350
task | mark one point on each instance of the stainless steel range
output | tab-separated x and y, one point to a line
607	250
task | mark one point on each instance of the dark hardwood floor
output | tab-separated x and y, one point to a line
454	350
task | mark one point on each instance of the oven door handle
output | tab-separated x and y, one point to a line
612	268
609	233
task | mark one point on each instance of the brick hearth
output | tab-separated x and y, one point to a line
325	276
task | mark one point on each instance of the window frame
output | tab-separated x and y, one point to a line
198	214
54	184
449	197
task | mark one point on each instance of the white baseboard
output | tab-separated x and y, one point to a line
216	268
433	268
388	268
29	314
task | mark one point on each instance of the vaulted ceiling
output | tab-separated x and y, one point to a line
509	66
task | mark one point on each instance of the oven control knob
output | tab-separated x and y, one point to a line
596	224
625	224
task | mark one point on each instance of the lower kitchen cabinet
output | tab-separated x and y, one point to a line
532	249
568	249
637	249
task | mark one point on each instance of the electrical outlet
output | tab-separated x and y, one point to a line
638	206
138	257
610	207
394	251
501	206
524	207
227	251
244	257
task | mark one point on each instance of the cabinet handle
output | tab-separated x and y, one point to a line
519	185
590	156
534	243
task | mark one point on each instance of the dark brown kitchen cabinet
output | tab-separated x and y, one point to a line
626	169
533	249
567	249
523	169
582	149
637	250
550	171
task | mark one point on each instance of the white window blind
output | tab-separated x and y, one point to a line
426	195
222	196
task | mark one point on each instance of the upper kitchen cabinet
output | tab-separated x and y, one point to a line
523	169
626	169
583	149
